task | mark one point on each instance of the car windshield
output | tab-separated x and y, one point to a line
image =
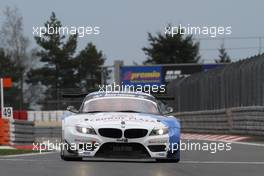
120	104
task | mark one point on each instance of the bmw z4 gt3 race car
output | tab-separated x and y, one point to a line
120	125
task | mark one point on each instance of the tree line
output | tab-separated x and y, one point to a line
38	74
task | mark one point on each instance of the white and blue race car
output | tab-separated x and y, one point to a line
120	125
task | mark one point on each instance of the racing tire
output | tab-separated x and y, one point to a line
66	156
167	160
172	158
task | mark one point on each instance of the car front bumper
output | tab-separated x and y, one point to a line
154	146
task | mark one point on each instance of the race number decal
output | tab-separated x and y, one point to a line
8	112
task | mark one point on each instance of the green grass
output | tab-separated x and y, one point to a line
15	151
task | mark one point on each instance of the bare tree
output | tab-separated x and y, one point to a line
15	44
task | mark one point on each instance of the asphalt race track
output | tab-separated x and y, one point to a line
242	160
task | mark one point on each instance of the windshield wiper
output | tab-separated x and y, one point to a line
94	111
113	111
129	111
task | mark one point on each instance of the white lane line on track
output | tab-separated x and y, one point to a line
224	162
229	141
248	143
27	154
233	142
18	159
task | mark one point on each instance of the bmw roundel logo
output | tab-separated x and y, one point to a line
123	124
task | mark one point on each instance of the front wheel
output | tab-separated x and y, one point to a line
66	156
171	158
167	160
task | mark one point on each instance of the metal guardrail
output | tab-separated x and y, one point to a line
240	120
47	132
21	132
44	134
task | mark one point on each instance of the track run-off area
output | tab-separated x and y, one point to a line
244	159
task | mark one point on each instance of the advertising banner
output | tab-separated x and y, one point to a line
141	75
178	71
159	75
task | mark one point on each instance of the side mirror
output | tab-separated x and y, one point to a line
72	109
169	109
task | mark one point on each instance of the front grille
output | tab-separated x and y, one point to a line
122	150
110	132
135	133
157	148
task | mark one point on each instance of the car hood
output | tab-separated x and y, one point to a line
114	119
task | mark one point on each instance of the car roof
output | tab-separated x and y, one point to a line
120	94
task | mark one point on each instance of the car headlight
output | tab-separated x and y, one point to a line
85	130
159	131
